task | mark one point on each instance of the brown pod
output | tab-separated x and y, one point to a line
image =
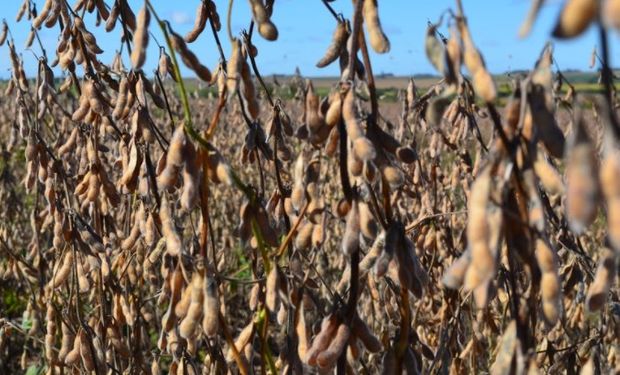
202	15
180	309
550	281
173	241
350	239
548	175
66	342
328	357
3	32
86	353
271	289
454	276
313	120
582	184
242	340
482	266
339	41
544	123
140	38
484	85
211	308
268	30
393	176
63	272
368	224
43	13
188	325
331	146
364	149
611	14
248	91
366	336
74	355
610	186
322	340
189	58
378	41
575	17
233	68
603	280
334	112
301	330
303	240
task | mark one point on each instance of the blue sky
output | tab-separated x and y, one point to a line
305	31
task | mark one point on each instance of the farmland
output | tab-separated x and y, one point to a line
230	222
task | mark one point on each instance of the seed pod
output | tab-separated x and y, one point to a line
435	49
63	272
268	30
304	236
548	175
234	67
189	58
482	266
271	289
322	340
582	188
366	336
454	276
603	280
248	91
611	14
173	241
132	169
393	176
74	355
550	281
610	186
86	351
202	15
301	331
82	110
191	178
121	99
484	85
176	155
180	309
378	41
141	38
339	40
546	127
67	341
575	17
3	32
242	340
327	358
116	339
50	333
364	149
194	312
350	239
211	308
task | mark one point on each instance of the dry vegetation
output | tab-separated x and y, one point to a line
146	229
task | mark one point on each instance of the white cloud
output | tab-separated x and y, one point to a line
180	17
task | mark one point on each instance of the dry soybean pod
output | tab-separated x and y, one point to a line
378	41
202	15
339	41
141	38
